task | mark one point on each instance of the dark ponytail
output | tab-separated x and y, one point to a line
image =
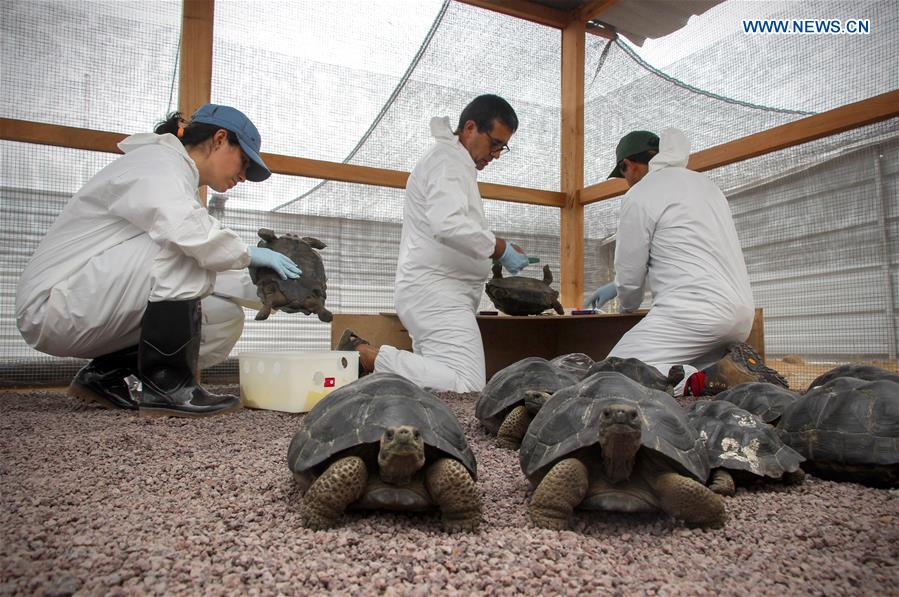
189	133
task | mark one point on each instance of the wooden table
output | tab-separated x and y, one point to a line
508	339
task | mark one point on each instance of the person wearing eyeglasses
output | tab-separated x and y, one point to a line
445	254
676	233
120	275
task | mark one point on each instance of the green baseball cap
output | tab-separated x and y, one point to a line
631	144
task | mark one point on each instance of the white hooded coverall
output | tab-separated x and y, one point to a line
676	233
135	233
444	260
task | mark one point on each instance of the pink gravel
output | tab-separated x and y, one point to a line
101	502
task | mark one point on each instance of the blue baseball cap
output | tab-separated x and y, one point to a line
247	135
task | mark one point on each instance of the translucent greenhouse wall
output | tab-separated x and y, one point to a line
349	82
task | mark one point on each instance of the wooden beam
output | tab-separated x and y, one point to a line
59	136
591	9
64	136
529	11
571	144
195	77
851	116
195	80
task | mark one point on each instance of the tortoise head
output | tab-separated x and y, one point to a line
619	438
401	455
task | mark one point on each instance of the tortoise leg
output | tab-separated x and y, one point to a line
794	478
558	307
688	500
340	485
722	482
454	491
560	491
513	428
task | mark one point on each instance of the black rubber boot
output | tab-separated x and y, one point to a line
103	380
168	355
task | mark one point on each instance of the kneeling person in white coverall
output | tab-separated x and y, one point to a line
445	254
120	275
676	232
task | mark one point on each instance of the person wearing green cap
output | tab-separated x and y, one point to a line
120	275
676	235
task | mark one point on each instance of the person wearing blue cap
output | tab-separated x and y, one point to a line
676	235
122	273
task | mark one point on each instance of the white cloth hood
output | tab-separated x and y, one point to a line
169	141
441	129
674	150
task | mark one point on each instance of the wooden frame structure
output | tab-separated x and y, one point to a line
196	59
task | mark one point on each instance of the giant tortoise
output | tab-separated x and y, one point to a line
520	295
610	443
503	405
382	442
742	447
305	294
848	430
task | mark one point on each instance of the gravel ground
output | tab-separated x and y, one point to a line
101	502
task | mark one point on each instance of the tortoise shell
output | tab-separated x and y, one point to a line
767	400
868	372
305	294
640	372
739	440
847	429
569	421
358	414
520	295
576	363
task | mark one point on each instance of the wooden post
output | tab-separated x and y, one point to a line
571	233
195	82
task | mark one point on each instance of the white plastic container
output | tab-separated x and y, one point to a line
291	381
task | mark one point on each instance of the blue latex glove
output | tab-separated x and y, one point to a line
513	258
281	263
601	296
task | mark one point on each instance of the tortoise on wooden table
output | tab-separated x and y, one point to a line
766	400
305	294
848	430
503	407
867	372
382	442
576	363
640	372
520	295
743	449
610	443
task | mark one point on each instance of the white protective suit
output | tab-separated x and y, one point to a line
444	260
676	233
135	233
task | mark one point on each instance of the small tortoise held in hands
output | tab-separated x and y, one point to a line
520	295
305	294
609	443
382	442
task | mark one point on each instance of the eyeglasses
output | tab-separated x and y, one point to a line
497	146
